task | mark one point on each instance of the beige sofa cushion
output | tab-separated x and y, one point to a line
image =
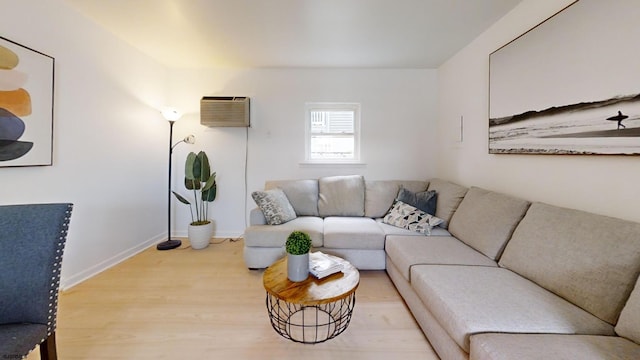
407	251
546	346
449	197
629	323
302	194
341	196
380	194
353	233
256	217
485	220
468	300
276	235
591	260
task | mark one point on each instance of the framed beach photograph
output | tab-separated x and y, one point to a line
26	106
570	85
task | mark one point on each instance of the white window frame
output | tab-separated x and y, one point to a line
314	106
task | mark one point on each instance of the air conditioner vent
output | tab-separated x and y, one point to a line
224	111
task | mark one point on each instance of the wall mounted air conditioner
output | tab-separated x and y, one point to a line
224	111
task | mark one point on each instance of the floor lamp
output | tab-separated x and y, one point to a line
172	116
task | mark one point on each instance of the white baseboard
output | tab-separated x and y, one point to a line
219	234
73	280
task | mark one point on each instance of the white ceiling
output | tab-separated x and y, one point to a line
297	33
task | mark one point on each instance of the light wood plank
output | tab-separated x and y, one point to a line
205	304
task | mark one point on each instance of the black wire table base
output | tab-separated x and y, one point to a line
310	324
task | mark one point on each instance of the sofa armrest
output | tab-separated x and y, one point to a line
256	217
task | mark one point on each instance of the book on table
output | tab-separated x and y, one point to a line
322	265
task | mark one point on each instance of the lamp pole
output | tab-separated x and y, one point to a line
169	244
171	115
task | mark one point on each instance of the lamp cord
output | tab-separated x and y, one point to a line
246	160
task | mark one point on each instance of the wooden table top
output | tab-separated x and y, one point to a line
310	291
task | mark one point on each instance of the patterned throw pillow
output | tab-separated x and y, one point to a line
274	205
408	217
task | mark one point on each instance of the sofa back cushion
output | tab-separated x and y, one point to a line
449	197
629	322
302	194
485	220
380	194
341	196
590	260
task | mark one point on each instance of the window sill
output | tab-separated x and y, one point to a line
332	163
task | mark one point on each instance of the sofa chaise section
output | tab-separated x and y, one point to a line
624	346
467	300
548	346
561	272
405	253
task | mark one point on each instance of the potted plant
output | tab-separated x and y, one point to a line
297	246
202	182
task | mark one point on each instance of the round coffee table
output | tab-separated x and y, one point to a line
311	311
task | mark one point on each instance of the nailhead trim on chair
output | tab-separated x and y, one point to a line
55	279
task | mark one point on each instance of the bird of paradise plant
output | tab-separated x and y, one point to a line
202	182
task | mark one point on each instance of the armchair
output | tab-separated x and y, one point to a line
32	240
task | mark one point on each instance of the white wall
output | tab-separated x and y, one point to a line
397	122
109	139
602	184
110	143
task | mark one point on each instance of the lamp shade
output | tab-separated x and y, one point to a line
171	114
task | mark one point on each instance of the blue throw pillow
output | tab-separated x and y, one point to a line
425	200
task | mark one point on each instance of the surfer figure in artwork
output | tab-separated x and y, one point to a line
619	119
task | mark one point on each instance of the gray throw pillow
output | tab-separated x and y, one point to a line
274	205
424	200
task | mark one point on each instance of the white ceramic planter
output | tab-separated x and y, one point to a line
200	235
298	267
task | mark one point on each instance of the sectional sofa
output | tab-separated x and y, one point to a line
500	278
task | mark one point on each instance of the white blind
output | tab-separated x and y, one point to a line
332	122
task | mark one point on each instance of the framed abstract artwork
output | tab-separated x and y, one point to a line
570	85
26	106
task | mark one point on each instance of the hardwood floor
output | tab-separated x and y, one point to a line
205	304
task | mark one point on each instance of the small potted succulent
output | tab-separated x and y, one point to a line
297	246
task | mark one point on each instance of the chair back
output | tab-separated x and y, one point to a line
32	240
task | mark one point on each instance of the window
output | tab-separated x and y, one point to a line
332	132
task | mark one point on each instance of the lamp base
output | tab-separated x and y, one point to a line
169	244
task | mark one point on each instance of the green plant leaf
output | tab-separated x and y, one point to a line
205	169
191	184
210	195
211	182
181	198
189	166
197	168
